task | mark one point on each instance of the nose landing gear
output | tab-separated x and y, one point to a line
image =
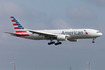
93	40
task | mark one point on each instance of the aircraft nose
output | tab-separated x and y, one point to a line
99	34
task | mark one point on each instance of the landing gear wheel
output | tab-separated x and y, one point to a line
51	43
58	43
93	42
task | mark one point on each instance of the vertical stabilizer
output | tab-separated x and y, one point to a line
17	26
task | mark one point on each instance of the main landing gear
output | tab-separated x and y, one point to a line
58	43
52	42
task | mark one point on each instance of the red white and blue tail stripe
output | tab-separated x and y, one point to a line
17	26
19	29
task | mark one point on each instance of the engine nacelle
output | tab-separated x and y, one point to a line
73	40
61	37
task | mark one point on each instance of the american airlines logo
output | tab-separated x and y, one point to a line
85	32
74	32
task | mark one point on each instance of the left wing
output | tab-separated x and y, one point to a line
47	34
42	33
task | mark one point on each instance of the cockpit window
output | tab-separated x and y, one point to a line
98	32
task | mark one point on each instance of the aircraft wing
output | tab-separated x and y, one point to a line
43	33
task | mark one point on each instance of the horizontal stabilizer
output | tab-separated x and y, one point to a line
19	35
12	33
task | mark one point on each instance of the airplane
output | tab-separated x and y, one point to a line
72	35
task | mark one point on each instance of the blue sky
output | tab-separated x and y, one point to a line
55	14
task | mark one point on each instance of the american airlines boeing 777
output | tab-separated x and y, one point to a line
60	35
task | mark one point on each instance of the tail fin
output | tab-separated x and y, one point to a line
17	26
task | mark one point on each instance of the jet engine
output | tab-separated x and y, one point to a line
61	37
